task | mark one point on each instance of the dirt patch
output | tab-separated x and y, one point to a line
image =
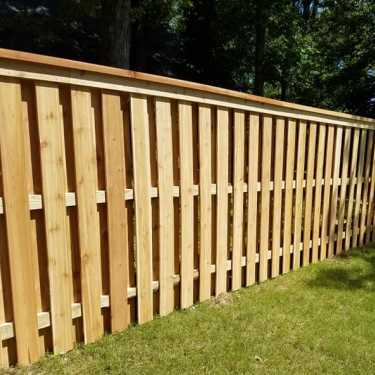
223	299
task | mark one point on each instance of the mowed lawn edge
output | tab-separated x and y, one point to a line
317	320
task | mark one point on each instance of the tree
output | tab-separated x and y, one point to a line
116	25
317	52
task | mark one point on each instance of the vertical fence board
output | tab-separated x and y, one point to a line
143	214
362	226
277	196
334	195
205	202
309	194
290	153
13	157
265	197
299	194
318	193
54	188
187	203
222	200
357	205
238	197
34	184
352	174
343	190
88	218
114	156
252	204
326	192
166	209
370	213
4	357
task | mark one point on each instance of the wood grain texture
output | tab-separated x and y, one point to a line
364	200
371	202
94	71
265	198
54	188
343	190
298	203
238	198
277	196
352	180
166	209
308	208
187	203
318	193
205	202
143	214
252	205
88	218
117	216
359	187
222	200
334	195
326	192
290	155
18	228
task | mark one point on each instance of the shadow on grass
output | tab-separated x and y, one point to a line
353	271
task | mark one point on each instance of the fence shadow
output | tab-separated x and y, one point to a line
341	275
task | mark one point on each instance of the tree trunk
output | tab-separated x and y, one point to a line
284	89
260	42
117	32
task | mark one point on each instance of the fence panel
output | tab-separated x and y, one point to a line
124	195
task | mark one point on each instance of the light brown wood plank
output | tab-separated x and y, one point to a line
205	202
371	203
369	152
108	75
318	193
277	196
117	217
343	190
88	218
352	177
309	194
334	195
252	193
238	197
166	210
298	203
54	188
222	199
143	214
34	184
358	192
326	192
187	203
4	354
265	198
17	216
290	154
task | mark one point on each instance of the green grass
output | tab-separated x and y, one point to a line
319	320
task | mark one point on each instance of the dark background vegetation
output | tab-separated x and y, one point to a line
315	52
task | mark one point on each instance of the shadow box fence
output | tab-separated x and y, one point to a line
124	195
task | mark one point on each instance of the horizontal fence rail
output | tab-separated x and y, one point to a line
124	195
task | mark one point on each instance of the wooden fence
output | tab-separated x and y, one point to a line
125	195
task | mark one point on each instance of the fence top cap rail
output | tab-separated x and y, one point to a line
124	73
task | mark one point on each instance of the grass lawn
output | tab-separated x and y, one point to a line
319	320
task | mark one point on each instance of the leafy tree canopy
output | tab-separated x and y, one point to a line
317	52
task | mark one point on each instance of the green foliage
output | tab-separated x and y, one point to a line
317	52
